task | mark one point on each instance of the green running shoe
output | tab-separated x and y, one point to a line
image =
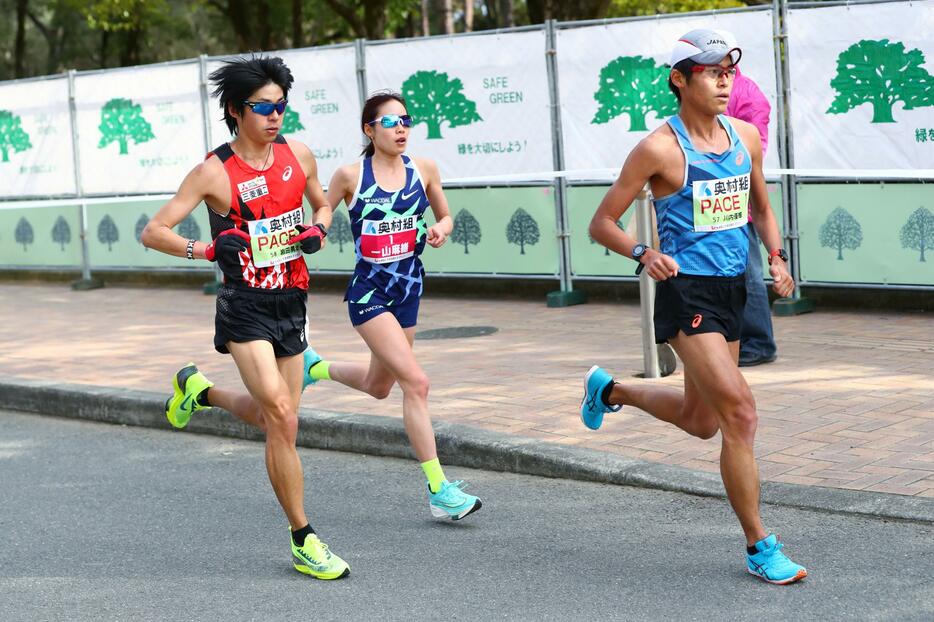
311	358
316	559
189	383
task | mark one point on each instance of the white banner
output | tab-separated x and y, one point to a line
35	139
479	103
324	106
862	85
139	129
601	126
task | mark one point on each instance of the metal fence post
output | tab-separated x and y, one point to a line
796	304
86	281
565	296
647	289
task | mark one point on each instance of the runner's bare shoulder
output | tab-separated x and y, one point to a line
345	177
209	180
658	148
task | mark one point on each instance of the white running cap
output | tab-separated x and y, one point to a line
706	47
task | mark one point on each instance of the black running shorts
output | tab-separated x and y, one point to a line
700	304
250	314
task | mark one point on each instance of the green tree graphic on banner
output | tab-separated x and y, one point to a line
340	231
23	234
140	225
434	99
881	73
918	232
12	135
522	229
466	230
291	123
61	232
633	85
606	251
189	228
840	231
122	121
107	232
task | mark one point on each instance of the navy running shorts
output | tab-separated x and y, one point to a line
406	312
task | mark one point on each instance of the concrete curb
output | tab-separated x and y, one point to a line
457	445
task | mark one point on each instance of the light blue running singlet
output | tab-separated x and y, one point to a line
703	225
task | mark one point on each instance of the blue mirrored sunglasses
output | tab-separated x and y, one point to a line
392	120
265	108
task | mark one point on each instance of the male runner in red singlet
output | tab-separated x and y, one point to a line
253	188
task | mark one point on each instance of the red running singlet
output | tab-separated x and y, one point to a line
271	202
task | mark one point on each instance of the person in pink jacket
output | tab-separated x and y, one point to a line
757	343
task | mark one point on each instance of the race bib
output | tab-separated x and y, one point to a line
385	241
268	239
721	204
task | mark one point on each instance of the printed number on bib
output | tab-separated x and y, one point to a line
385	241
268	239
721	204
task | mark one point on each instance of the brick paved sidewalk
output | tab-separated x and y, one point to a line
849	403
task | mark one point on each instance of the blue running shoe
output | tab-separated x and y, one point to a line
451	501
592	406
770	564
311	357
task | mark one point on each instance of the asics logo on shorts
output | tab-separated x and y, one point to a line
697	320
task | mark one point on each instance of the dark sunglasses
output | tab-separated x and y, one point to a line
265	108
392	120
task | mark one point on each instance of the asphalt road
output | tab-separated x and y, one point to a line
103	522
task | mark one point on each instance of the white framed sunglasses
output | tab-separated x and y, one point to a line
392	120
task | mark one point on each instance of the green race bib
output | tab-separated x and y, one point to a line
721	204
268	238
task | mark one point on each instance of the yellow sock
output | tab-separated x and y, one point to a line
320	370
435	475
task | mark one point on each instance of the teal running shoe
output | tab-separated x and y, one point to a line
592	406
188	383
770	564
311	357
452	502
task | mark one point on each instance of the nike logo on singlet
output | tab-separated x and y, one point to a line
406	197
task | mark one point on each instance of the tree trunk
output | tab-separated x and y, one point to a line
297	39
238	12
19	48
447	7
105	38
129	53
506	18
468	15
374	19
426	24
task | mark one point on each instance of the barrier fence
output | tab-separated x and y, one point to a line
528	126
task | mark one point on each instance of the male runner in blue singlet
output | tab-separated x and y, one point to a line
706	170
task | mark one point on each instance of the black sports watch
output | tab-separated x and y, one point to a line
324	231
637	252
780	253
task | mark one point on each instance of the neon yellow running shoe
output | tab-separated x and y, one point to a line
189	383
316	559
